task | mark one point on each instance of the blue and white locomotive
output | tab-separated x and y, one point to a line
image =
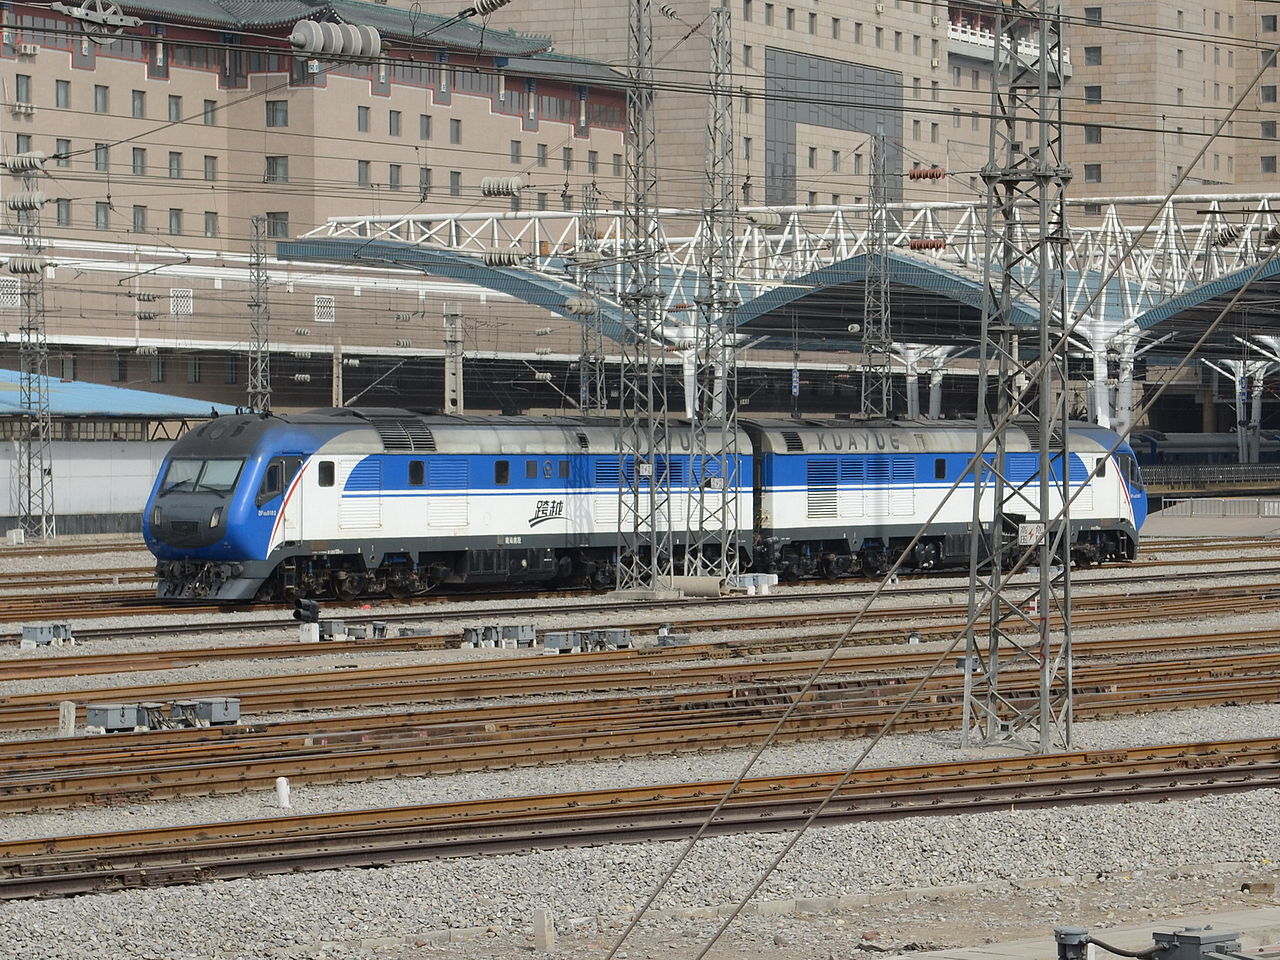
347	502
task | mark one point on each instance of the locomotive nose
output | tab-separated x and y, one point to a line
193	523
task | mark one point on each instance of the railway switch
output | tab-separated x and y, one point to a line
1188	943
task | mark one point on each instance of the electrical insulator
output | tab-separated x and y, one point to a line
542	377
146	315
301	331
351	361
1227	237
502	258
302	354
335	39
586	258
302	378
542	332
146	297
147	351
581	306
402	342
26	162
765	219
32	200
483	8
926	173
27	264
1272	236
543	351
930	243
500	186
667	11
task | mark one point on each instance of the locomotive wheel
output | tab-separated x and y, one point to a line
348	587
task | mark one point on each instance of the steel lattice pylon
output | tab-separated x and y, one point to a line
34	472
714	465
593	396
1024	480
259	387
877	338
645	554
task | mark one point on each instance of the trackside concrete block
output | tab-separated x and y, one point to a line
544	930
775	908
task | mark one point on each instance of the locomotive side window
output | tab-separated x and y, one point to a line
502	472
530	469
272	482
939	469
324	473
1102	467
564	469
417	473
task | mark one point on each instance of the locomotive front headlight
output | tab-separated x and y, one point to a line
216	517
155	516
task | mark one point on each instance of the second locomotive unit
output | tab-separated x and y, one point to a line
347	502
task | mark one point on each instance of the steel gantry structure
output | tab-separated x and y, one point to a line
1197	240
1021	398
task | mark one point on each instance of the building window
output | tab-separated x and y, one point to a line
566	158
1179	96
593	161
455	130
175	109
1267	58
746	11
617	164
455	183
1093	93
139	219
1181	58
277	113
119	367
566	200
139	162
277	170
1268	93
1093	15
1092	56
210	223
362	173
157	368
139	104
175	166
101	98
791	18
393	176
424	180
897	41
1268	164
175	222
879	36
393	123
193	368
835	28
746	56
62	94
209	112
542	201
1268	23
62	208
813	23
540	154
101	215
278	223
768	14
933	133
746	148
362	119
101	157
1267	129
813	158
23	143
231	371
1093	173
424	126
1092	133
210	167
516	148
915	129
857	32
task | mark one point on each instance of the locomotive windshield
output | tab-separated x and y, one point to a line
191	476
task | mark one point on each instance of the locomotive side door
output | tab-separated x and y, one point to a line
280	495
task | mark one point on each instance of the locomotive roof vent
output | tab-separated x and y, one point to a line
583	442
1033	438
404	434
793	441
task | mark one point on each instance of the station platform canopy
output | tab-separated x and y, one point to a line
75	398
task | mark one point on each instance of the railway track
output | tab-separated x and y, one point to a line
41	602
664	716
1101	609
64	866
